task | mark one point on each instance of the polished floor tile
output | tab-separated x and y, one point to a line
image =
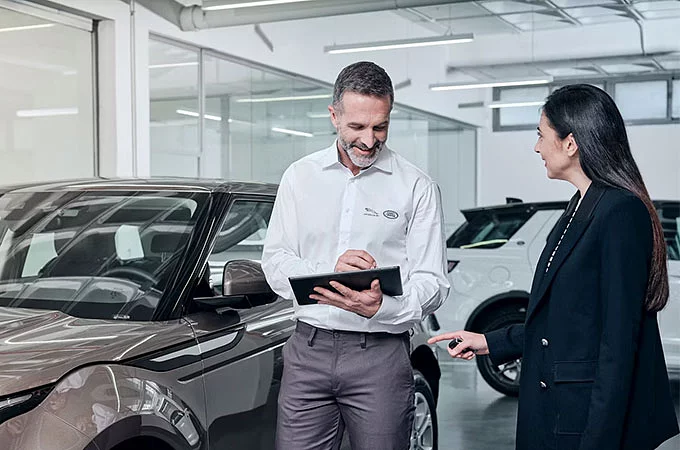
472	416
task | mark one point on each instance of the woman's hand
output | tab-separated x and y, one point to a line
473	344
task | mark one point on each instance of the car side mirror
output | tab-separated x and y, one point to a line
243	286
243	277
244	280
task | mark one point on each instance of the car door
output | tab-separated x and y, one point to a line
241	343
669	318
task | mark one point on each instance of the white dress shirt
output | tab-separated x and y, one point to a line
391	209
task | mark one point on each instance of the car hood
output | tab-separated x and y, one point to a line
38	347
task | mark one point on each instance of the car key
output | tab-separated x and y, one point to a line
455	342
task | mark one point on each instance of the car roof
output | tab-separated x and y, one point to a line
156	184
515	207
540	206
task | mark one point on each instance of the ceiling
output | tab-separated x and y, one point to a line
660	63
481	17
491	17
497	17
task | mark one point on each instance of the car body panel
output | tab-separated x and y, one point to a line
669	320
39	347
198	378
483	274
94	400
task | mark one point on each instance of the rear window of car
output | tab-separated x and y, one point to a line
488	229
669	213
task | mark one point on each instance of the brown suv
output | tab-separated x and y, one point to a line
135	313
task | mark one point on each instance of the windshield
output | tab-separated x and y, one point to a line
103	255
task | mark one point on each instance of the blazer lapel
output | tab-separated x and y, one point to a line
582	219
551	241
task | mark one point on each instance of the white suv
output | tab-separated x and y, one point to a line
491	262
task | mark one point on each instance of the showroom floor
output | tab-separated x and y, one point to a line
472	416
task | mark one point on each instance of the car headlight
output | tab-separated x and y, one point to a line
17	404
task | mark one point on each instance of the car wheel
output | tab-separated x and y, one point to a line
505	377
424	435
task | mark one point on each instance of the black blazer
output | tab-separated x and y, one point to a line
593	370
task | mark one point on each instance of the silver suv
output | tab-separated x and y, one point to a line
135	313
491	262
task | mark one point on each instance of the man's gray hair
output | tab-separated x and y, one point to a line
365	78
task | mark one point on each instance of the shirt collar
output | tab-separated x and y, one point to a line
383	163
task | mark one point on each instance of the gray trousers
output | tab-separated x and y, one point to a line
337	379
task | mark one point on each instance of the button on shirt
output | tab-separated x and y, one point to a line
391	209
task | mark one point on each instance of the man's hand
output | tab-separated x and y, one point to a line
365	303
355	260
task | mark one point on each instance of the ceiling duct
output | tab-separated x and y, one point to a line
191	18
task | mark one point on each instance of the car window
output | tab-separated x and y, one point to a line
242	235
103	255
488	229
669	213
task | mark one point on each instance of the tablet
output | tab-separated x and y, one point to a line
359	280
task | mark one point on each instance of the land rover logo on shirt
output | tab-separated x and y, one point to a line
390	214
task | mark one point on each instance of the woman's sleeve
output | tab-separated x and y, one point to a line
505	344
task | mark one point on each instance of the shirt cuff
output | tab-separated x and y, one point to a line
389	309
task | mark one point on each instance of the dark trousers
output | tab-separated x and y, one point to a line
337	379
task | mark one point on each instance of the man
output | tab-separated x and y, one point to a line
355	205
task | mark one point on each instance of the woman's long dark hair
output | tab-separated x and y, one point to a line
592	117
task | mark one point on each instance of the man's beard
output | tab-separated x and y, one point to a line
359	160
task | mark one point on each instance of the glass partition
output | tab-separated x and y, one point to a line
257	120
47	111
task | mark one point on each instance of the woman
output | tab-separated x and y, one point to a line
593	370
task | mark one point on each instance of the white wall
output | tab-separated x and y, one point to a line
510	168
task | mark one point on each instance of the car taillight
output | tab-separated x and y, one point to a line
451	264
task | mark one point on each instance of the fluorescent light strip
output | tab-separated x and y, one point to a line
182	64
292	132
27	27
515	104
524	82
406	43
251	4
47	112
322	115
242	122
184	112
283	99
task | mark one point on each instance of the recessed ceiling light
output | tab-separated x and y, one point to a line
397	44
487	84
